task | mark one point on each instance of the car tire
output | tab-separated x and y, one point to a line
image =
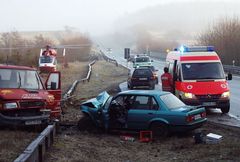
225	109
159	130
86	124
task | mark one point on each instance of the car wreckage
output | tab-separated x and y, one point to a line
158	111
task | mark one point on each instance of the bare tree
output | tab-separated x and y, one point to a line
81	53
225	36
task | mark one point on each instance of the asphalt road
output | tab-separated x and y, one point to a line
234	84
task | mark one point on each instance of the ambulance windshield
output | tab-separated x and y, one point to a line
198	71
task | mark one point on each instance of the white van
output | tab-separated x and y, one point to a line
142	61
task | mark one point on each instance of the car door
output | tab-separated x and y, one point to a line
53	86
142	111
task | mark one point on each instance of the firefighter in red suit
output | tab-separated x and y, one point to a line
167	81
48	51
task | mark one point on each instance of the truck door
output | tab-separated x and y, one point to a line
53	86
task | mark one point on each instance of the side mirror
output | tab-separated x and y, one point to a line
229	76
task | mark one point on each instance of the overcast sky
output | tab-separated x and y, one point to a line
93	16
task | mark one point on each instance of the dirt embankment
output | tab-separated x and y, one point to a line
74	145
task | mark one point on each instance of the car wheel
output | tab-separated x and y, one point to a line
86	124
225	109
159	130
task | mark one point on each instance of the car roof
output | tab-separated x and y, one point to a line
144	92
16	67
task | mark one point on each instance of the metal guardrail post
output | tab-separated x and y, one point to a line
37	149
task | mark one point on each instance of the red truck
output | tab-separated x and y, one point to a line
25	100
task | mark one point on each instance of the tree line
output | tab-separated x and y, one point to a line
17	50
224	35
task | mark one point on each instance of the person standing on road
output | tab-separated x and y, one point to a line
167	81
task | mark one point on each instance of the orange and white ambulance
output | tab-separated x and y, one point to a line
198	77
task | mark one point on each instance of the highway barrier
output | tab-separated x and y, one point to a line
75	83
37	149
232	69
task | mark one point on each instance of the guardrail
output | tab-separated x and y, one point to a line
232	69
105	57
75	83
36	150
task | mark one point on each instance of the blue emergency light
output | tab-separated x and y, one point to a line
195	49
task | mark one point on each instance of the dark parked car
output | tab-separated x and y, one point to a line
155	110
142	76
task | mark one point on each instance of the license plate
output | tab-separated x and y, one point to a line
142	78
196	117
209	103
33	122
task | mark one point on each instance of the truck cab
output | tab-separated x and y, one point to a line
199	77
25	100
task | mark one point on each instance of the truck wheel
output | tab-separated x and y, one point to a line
225	109
159	130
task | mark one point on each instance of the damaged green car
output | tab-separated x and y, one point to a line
158	111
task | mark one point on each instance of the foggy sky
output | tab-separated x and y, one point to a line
92	16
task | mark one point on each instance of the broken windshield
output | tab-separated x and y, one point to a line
198	71
13	78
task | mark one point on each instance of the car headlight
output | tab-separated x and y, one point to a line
226	94
188	95
10	105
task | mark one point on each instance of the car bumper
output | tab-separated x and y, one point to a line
146	83
208	103
188	127
23	121
47	69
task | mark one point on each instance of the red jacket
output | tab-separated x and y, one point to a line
167	82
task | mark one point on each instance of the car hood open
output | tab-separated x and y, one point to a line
98	101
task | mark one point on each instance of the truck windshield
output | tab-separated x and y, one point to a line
46	59
198	71
14	78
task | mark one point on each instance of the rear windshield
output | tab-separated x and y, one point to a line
142	72
171	101
198	71
142	59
